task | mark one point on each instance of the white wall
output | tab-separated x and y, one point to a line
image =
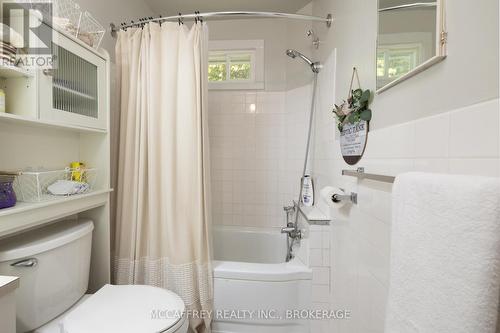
272	31
257	156
115	11
297	74
247	157
468	76
424	124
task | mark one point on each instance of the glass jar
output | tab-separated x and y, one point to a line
7	195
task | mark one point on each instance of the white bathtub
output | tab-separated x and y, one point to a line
254	286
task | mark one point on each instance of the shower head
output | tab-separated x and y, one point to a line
291	53
315	66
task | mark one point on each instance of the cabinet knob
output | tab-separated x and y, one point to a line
48	72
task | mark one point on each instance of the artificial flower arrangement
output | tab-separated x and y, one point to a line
356	108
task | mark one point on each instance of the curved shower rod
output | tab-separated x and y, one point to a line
201	16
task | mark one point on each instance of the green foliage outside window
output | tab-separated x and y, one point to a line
229	67
217	72
240	71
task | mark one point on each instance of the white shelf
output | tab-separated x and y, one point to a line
13	118
8	72
314	216
25	215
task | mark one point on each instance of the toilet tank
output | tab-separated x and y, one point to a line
53	266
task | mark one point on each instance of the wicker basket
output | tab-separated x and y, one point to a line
66	15
33	186
91	32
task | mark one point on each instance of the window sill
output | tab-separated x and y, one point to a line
236	86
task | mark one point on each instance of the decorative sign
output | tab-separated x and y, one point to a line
353	141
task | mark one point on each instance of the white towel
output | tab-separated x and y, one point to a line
445	263
66	187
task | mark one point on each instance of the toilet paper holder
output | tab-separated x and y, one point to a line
353	197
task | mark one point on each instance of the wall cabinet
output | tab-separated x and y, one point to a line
55	117
74	91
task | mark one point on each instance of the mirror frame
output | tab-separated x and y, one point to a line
441	49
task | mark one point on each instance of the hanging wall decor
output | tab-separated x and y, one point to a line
353	118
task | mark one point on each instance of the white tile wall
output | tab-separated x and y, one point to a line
465	141
318	246
357	257
257	147
258	142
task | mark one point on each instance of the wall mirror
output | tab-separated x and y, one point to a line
411	38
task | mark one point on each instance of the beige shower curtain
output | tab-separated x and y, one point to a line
163	218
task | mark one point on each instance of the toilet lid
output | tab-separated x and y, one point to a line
127	309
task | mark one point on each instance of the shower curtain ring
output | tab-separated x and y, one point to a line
180	19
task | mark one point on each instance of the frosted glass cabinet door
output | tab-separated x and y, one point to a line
74	92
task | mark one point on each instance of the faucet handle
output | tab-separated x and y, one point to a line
287	230
289	208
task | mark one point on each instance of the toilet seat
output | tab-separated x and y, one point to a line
127	309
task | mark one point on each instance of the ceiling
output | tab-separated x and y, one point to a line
172	7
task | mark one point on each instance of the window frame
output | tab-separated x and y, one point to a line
227	47
393	49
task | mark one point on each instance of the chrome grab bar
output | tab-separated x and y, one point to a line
361	174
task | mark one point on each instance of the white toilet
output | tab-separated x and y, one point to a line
53	264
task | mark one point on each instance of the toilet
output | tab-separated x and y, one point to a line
53	264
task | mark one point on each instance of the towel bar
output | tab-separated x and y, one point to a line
361	174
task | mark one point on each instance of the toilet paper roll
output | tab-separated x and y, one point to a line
328	192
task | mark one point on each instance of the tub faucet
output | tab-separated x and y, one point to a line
290	211
290	214
292	232
292	229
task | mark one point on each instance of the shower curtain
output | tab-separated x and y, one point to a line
162	218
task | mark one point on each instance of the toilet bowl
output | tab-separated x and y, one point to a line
53	265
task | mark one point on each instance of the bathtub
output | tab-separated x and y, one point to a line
254	288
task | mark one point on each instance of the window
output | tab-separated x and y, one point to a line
236	65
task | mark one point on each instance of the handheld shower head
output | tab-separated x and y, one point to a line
315	66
